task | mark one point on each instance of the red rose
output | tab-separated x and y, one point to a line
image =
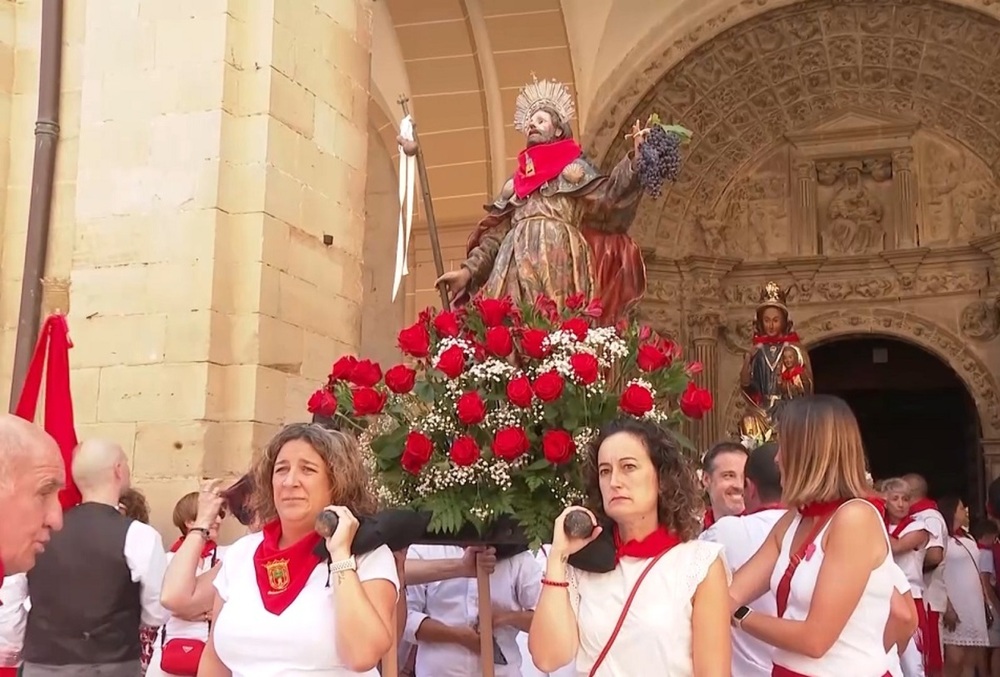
464	451
645	331
695	401
322	402
470	408
493	311
367	401
366	373
636	400
416	452
452	362
576	301
533	343
510	443
499	342
446	324
400	379
415	340
519	392
549	386
558	446
594	309
652	358
343	368
585	367
547	308
578	326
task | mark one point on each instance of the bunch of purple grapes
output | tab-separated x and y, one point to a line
659	159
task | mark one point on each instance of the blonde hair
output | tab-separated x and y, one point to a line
350	484
185	510
822	457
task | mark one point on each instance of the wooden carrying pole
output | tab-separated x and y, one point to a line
425	190
486	657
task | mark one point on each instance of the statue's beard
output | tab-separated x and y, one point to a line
538	138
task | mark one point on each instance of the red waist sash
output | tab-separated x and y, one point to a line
779	671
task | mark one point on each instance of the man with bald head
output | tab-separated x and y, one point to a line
97	581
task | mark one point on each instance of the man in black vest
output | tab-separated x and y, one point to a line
99	578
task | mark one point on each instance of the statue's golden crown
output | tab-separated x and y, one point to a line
773	295
542	94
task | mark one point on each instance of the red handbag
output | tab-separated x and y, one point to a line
181	656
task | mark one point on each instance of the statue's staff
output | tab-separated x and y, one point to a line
411	148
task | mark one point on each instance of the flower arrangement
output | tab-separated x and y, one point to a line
493	412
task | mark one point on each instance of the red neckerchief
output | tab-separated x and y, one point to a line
1	577
790	374
207	550
763	507
898	529
987	547
921	505
763	339
708	519
656	543
541	163
282	574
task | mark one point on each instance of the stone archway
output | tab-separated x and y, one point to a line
925	333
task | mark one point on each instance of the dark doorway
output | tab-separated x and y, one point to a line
915	413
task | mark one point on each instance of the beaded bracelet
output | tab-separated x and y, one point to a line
555	584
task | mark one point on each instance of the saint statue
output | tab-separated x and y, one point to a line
559	226
776	369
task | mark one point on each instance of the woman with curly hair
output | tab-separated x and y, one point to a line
664	607
288	603
828	560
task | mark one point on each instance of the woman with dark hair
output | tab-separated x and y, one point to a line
284	604
966	621
663	609
828	560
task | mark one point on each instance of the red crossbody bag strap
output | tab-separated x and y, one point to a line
624	613
784	589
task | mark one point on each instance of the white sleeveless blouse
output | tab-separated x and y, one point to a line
859	651
655	639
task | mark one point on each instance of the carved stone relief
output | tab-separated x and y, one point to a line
853	215
788	69
980	321
925	333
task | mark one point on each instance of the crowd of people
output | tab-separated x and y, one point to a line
783	560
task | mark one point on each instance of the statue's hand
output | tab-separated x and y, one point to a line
457	280
638	135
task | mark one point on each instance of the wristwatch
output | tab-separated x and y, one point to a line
349	564
741	615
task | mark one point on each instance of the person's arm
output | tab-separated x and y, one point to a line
854	548
753	579
185	593
364	600
553	636
711	645
911	541
420	571
210	665
933	556
420	627
147	562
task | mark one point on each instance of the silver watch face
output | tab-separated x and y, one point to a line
742	613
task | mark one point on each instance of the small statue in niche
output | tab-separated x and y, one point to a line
855	225
795	381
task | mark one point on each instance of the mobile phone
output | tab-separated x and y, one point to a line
498	657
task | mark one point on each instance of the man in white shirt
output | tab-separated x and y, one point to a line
97	582
722	477
742	536
935	600
443	617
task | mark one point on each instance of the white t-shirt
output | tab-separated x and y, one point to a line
252	642
903	585
13	619
912	561
178	628
742	537
935	594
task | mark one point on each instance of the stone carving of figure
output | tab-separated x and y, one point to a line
855	225
771	374
558	227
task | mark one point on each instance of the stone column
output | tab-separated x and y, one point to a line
905	188
805	238
704	331
219	224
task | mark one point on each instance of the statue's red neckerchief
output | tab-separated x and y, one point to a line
763	339
541	163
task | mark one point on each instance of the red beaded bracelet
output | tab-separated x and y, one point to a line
555	584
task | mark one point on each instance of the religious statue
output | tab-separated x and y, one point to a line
775	370
558	227
855	218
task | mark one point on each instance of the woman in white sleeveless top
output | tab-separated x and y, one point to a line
827	561
645	494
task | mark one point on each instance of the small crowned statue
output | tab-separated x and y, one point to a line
559	226
775	370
